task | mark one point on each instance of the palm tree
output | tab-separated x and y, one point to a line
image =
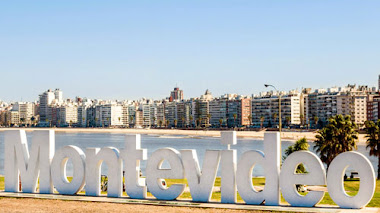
33	119
167	123
154	121
274	117
191	119
301	118
316	119
250	119
22	120
183	121
235	117
175	123
220	123
131	120
208	119
373	141
262	119
160	123
300	144
338	136
287	120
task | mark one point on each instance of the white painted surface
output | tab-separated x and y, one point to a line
228	176
228	137
95	157
244	177
132	155
200	182
19	163
58	170
272	150
335	180
155	173
288	178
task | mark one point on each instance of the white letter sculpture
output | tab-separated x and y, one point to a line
58	170
19	163
271	164
289	178
132	155
228	168
335	180
200	182
155	174
94	159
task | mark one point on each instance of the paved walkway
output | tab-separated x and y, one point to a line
184	203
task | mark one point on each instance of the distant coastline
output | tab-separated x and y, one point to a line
288	135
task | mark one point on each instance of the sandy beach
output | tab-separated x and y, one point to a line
285	135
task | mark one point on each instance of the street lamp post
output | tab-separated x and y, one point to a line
279	106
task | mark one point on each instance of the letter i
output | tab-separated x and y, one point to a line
228	168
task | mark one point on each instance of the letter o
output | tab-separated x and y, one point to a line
58	170
335	183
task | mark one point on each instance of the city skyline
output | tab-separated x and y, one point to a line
127	50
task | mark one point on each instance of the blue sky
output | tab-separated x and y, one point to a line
133	49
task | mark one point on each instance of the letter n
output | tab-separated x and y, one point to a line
19	164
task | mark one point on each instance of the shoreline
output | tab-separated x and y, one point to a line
290	136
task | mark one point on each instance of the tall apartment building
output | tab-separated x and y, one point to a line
26	111
12	117
68	115
183	114
265	109
45	100
161	121
111	115
171	114
132	109
325	103
125	115
58	96
145	108
153	114
176	95
373	106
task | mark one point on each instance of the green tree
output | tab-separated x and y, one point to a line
131	120
191	119
183	121
275	115
160	123
208	119
373	141
235	117
220	123
300	145
262	119
338	136
302	117
288	119
316	119
33	119
175	123
250	119
22	120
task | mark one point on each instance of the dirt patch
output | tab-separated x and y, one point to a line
40	205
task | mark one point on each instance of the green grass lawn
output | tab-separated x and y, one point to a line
351	187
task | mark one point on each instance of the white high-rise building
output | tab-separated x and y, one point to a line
46	99
58	94
26	110
68	115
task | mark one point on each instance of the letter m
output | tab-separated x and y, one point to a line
19	164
